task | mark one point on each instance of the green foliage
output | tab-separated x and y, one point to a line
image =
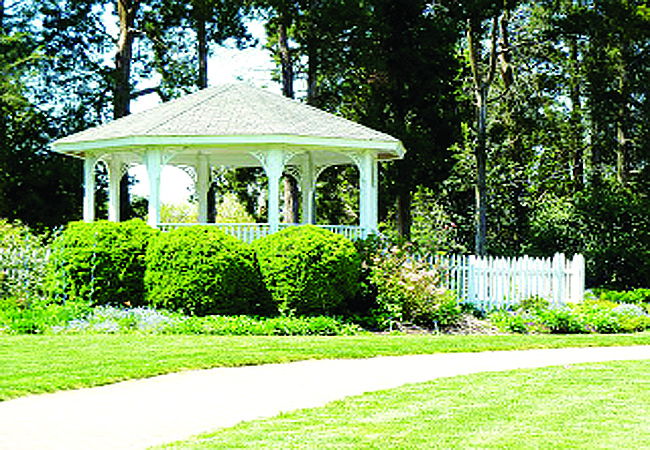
230	210
200	270
591	316
183	213
36	316
433	228
616	229
102	263
308	270
609	225
640	297
251	326
37	187
409	290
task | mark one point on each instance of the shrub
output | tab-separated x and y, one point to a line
102	262
308	270
409	290
201	270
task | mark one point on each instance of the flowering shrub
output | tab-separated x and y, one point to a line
23	261
410	291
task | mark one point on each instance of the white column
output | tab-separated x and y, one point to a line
115	172
202	184
89	188
368	192
274	165
153	161
307	183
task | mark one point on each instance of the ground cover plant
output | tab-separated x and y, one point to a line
591	316
32	364
640	297
45	317
584	406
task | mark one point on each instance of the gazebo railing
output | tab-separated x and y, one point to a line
248	232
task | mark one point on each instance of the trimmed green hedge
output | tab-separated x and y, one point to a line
200	270
102	262
308	270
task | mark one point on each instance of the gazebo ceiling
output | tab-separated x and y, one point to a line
226	124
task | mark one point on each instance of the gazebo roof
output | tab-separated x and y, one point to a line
226	123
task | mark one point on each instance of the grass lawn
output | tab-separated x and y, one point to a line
38	364
588	406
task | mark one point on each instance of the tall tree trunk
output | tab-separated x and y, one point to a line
480	153
291	211
404	218
127	10
202	83
622	144
514	142
285	57
577	152
312	62
2	16
291	204
482	83
122	89
202	40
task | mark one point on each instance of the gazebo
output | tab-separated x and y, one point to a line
234	125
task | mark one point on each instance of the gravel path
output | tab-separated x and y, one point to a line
140	413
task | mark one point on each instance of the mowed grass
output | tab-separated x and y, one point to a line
589	406
40	364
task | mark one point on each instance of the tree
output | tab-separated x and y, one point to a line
284	15
486	25
408	89
37	187
181	33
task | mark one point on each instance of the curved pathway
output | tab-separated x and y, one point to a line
140	413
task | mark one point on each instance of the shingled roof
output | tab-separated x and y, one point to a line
231	116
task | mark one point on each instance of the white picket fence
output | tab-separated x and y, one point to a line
490	283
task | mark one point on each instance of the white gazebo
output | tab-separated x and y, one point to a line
233	125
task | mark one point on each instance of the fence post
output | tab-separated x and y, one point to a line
577	279
559	273
471	280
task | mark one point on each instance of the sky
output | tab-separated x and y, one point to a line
225	65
